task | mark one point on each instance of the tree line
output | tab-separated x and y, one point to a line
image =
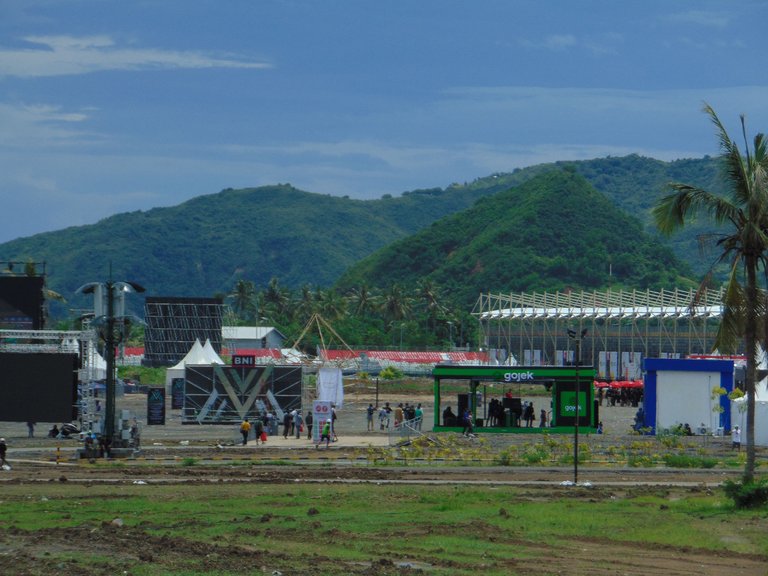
399	316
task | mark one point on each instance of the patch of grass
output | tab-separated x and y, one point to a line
456	529
686	461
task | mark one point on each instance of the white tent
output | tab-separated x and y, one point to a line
197	355
210	354
739	414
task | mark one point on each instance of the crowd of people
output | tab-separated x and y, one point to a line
396	417
294	423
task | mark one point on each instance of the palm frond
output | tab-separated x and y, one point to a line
731	329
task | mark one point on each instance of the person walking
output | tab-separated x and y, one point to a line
286	424
245	429
308	421
325	435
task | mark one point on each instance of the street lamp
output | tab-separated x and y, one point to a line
577	338
111	322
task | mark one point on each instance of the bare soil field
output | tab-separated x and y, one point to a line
218	459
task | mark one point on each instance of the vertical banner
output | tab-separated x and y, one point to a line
321	412
177	393
156	407
613	370
602	364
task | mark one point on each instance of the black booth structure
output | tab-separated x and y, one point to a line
566	384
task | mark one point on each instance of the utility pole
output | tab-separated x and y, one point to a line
577	337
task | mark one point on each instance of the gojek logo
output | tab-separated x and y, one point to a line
518	376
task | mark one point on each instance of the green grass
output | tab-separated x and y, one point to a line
479	525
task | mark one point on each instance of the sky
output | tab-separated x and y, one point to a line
113	106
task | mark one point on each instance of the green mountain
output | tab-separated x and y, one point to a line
203	246
554	232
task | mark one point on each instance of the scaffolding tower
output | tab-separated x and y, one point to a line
173	325
622	326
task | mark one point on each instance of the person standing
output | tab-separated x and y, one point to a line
30	429
258	429
369	412
297	420
334	417
286	424
245	429
528	416
418	416
736	438
399	414
308	420
3	451
543	418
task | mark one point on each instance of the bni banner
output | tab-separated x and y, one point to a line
321	412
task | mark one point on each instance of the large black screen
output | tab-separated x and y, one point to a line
21	302
37	387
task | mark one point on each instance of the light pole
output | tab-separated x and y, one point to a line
401	336
577	337
450	326
104	296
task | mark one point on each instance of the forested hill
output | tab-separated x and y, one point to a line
555	232
203	246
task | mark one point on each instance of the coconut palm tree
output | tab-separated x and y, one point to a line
743	213
396	304
362	300
242	298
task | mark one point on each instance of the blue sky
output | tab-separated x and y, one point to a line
114	106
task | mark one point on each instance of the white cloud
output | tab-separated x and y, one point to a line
553	42
41	126
702	18
71	55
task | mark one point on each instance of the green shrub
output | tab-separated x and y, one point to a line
686	461
391	373
752	495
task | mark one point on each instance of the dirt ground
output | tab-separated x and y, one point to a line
38	460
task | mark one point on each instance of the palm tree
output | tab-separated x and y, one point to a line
242	298
744	213
396	303
362	301
329	304
277	298
430	296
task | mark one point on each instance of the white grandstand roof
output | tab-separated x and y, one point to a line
611	304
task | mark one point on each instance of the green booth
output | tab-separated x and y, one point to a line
481	388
